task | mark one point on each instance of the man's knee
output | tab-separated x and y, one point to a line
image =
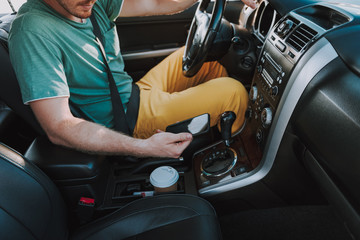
233	97
232	89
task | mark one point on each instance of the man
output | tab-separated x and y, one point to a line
55	56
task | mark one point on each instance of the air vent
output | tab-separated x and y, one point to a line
301	37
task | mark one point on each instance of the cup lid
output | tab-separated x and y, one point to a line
164	176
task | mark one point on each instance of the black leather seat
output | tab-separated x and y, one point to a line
31	207
6	117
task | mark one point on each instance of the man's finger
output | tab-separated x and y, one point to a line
182	145
183	137
250	3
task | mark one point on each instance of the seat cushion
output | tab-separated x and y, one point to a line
161	217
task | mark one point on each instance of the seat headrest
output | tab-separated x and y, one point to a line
5	24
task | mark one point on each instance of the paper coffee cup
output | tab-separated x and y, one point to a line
164	179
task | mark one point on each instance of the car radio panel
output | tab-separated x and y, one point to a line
270	79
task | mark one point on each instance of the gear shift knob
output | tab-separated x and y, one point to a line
226	121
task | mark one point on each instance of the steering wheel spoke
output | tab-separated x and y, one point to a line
201	35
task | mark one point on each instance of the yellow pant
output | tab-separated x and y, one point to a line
167	96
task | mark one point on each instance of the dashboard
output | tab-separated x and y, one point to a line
307	61
285	41
307	84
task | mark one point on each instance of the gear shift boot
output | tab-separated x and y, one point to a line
218	162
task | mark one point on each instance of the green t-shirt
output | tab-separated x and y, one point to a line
54	56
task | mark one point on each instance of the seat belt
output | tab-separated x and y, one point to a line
124	123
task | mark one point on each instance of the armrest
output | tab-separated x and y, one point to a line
63	164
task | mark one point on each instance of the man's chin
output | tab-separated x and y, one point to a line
87	15
83	12
84	15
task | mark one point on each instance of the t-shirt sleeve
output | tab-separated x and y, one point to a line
38	67
111	7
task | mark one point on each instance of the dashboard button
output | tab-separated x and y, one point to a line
291	54
274	91
280	46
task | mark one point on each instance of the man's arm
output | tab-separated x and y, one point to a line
132	8
64	129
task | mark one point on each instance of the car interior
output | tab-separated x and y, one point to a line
291	171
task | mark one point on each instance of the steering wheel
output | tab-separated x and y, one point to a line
203	30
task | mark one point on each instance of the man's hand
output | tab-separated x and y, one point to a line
250	3
165	144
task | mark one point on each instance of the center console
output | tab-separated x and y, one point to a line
113	181
284	46
286	53
271	77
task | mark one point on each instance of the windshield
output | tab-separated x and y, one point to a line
5	6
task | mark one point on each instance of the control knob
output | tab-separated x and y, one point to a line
266	117
253	94
284	28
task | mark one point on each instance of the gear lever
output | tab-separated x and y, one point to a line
226	121
220	161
